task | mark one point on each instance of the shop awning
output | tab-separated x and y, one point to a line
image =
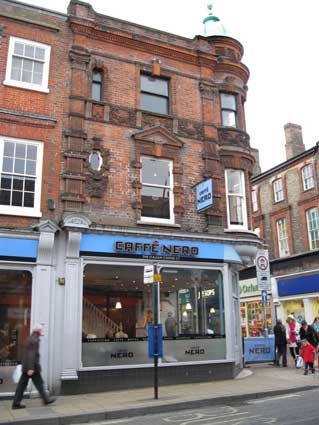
18	248
298	285
147	248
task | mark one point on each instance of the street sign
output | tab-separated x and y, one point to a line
151	346
263	270
148	274
264	296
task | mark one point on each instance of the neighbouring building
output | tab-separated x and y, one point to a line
145	160
285	202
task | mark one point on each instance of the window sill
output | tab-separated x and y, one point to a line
30	87
240	230
156	114
19	213
154	223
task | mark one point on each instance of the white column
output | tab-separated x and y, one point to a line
71	351
229	315
308	310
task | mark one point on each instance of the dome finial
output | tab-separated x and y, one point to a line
212	24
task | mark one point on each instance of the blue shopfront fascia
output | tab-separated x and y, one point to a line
18	248
147	248
298	285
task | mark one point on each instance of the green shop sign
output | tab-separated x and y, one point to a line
246	288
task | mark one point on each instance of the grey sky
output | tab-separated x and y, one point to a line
280	39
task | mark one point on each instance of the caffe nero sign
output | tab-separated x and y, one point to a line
155	249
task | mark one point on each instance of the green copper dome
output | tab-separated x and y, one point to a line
212	24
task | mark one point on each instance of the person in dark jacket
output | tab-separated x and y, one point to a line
307	332
31	369
280	343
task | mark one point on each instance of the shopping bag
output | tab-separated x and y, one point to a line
17	373
299	362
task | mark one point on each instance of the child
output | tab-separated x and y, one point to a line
308	354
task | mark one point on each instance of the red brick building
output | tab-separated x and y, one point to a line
150	164
286	215
33	92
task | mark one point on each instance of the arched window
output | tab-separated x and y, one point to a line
97	78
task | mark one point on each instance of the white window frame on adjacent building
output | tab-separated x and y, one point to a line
307	177
278	190
254	200
312	216
236	199
14	166
27	54
282	236
169	186
228	103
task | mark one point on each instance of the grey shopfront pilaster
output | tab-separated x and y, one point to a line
73	225
43	289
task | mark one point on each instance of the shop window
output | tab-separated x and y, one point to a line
28	64
254	200
313	227
157	190
97	78
21	170
252	318
282	235
117	309
154	94
307	177
228	109
236	200
15	314
278	190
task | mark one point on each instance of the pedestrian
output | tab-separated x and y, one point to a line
308	354
315	325
307	332
292	334
31	369
280	343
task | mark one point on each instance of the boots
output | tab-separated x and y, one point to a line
306	372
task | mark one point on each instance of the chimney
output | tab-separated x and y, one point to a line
294	143
257	168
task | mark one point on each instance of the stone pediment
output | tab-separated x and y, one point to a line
48	226
159	136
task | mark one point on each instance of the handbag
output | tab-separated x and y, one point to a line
299	362
17	373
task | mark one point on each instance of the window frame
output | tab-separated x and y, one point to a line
97	83
229	110
254	200
312	241
171	220
307	178
283	251
243	226
46	64
35	211
277	192
167	98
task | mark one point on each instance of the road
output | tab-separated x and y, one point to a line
288	409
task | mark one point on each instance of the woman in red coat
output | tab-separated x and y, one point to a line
308	354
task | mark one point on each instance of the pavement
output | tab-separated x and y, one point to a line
255	381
